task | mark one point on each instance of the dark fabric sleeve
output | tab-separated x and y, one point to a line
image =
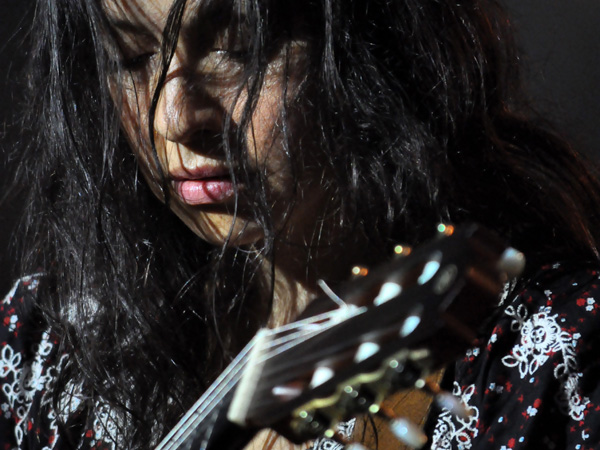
534	383
26	373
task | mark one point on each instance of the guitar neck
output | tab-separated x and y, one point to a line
406	319
216	432
205	426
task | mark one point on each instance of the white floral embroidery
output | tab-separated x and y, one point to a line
519	316
22	383
13	323
540	337
454	432
473	352
569	399
346	429
105	425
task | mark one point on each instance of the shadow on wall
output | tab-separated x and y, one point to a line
562	46
559	37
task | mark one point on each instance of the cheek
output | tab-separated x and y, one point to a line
135	105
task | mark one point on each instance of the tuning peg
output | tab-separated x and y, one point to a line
402	250
402	373
365	351
307	423
445	229
387	291
287	393
403	429
359	271
321	375
512	262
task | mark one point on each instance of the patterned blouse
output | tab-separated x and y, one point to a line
534	382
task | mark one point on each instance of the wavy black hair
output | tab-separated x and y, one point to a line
416	114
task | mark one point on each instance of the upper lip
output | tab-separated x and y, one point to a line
198	173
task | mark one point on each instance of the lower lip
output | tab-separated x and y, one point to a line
204	192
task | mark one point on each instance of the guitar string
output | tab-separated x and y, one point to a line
190	421
281	347
195	416
306	328
197	412
273	372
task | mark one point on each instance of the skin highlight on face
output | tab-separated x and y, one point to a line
201	106
199	112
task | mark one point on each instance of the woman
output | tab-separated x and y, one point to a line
292	141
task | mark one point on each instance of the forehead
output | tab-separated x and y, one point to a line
148	15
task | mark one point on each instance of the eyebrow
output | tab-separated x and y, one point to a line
128	27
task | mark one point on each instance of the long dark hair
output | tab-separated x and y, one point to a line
416	115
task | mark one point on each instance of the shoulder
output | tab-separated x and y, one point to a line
532	381
27	369
30	362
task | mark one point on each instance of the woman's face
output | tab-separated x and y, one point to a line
204	85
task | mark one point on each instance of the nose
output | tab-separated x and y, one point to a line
184	108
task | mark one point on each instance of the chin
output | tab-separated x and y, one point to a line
220	228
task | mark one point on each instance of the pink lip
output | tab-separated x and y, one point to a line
202	185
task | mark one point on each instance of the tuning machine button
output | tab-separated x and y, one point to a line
512	262
407	432
308	424
445	400
403	429
355	446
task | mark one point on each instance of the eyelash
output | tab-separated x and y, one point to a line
241	55
137	62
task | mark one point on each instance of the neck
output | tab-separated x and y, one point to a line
290	294
292	279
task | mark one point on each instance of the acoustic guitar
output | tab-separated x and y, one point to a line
385	331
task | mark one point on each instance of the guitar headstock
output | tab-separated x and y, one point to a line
392	328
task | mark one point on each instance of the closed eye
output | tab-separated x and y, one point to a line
137	62
238	55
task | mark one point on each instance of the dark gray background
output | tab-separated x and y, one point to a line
560	39
561	42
